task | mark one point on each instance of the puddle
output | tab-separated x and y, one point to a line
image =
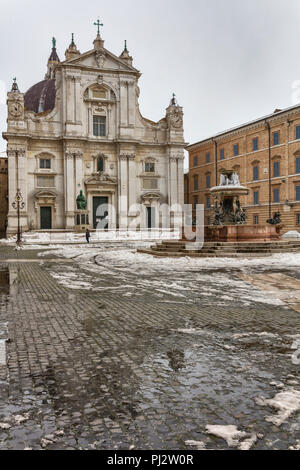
4	281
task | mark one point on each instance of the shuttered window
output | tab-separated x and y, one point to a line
276	138
255	173
275	169
275	195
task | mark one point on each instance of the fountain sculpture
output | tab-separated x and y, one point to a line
230	217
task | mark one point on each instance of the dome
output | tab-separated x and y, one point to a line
41	96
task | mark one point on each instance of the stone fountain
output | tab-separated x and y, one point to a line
227	205
230	217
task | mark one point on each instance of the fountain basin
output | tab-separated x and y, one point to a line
242	233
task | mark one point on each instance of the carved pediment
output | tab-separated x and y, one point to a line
148	198
100	179
45	194
101	59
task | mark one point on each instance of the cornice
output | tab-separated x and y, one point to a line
244	128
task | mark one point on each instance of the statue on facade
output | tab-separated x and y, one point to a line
81	201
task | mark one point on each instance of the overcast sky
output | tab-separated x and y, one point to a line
228	61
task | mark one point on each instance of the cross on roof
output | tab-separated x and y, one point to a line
98	24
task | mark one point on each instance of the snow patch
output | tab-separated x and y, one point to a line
234	438
2	352
286	402
199	445
296	446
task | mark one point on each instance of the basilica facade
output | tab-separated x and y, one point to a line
80	131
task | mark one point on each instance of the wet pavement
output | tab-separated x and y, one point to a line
112	350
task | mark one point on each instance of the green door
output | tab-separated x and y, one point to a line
100	212
150	217
46	218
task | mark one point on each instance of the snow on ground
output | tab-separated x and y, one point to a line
180	278
286	402
296	446
234	438
197	445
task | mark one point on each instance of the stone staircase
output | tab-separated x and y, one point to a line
222	249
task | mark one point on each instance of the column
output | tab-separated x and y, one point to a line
78	172
123	103
173	180
69	190
123	192
131	103
22	183
70	99
132	184
12	190
78	101
180	182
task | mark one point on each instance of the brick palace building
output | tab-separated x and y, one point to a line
266	155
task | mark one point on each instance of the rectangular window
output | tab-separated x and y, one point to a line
276	138
195	163
195	183
297	132
298	165
207	181
255	173
255	198
276	195
255	144
45	163
195	202
207	157
45	181
236	150
297	219
297	193
207	202
255	219
207	220
275	169
222	154
149	167
150	183
99	126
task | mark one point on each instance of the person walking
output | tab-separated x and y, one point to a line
87	235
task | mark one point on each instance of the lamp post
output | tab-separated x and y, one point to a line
18	204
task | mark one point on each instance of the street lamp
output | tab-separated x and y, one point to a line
18	204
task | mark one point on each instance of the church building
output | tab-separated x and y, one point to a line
80	132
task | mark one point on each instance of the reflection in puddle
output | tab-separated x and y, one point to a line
4	280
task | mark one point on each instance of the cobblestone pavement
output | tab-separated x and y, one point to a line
106	352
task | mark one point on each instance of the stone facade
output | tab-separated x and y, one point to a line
266	155
3	194
81	129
